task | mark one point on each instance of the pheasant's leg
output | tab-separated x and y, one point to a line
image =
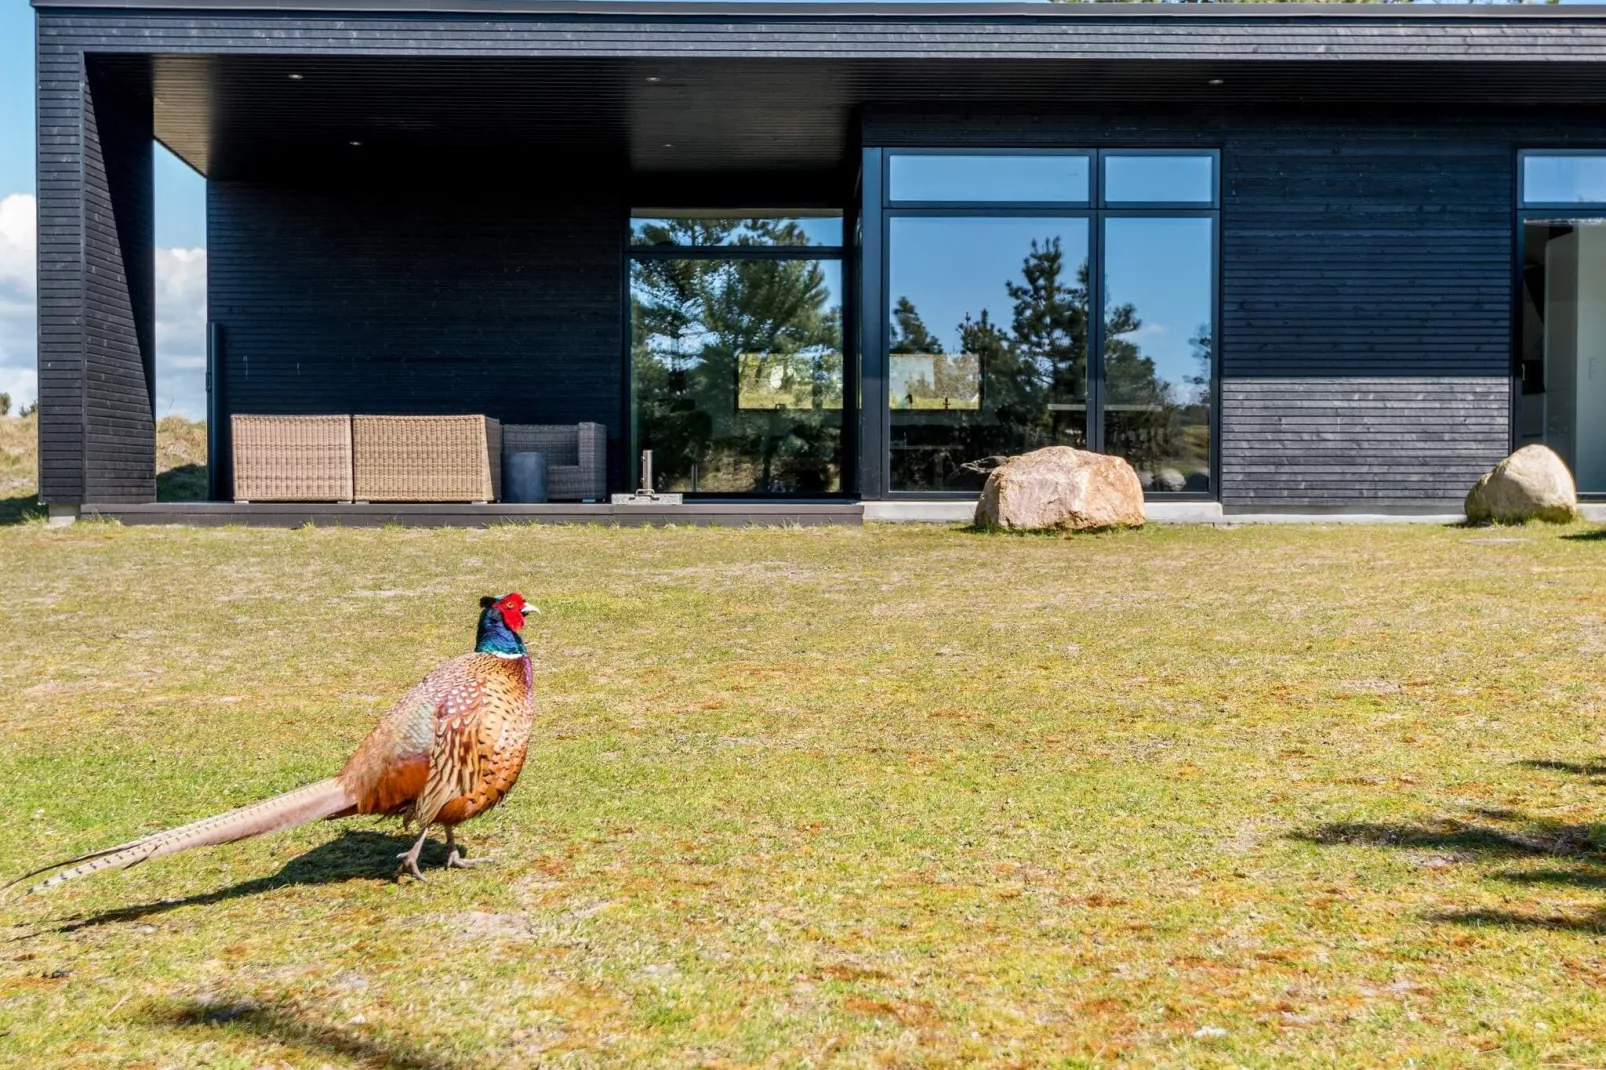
409	863
454	857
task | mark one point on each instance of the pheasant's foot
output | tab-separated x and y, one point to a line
455	857
409	858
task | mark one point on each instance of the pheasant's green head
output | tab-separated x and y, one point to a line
501	621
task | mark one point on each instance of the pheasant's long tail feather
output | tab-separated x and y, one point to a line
326	798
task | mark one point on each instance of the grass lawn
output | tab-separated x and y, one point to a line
893	796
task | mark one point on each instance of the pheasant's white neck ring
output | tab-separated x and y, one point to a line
506	657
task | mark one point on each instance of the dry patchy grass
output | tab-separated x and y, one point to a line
898	796
180	464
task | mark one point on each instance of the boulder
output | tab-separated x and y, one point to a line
1531	484
1170	480
1061	489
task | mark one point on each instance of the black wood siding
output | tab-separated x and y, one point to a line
1366	287
356	296
96	282
1365	330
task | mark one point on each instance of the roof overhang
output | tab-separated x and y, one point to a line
246	85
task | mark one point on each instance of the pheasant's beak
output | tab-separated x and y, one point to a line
528	609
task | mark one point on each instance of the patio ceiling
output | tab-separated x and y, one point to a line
236	116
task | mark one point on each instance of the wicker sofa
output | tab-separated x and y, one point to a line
576	457
408	458
292	458
426	458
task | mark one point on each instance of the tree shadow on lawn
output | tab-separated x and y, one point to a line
357	853
1595	535
1584	846
20	510
293	1027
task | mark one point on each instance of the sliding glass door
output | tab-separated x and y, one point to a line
1562	399
995	263
736	359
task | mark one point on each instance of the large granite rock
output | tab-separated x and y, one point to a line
1531	484
1061	489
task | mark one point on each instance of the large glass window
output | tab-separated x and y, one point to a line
992	348
1159	178
1157	347
672	227
1562	355
988	350
736	352
1563	178
977	177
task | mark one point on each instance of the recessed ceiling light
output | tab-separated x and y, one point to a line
1217	81
295	77
668	145
653	78
355	144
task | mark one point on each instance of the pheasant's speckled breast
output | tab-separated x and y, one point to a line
452	747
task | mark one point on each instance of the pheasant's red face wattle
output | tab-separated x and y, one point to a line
512	610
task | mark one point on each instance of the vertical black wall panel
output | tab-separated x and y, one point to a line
96	282
60	234
354	294
119	287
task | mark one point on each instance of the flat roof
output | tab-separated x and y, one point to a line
740	9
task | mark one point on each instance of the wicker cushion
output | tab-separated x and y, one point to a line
426	458
292	458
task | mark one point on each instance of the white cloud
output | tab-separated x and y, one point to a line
180	316
18	292
181	332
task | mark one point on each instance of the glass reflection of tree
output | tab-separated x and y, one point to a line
1035	374
698	326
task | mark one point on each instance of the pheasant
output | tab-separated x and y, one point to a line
448	751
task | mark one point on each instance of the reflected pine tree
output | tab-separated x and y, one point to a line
1034	385
737	364
1033	376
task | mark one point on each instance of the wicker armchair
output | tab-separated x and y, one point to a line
576	457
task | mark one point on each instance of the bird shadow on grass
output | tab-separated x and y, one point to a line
357	853
292	1026
1578	851
1593	535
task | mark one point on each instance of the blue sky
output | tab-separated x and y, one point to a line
180	240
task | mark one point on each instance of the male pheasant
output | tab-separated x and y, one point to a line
448	751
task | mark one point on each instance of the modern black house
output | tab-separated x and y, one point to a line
1305	258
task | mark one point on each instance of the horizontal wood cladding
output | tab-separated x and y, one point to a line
886	34
357	296
119	289
60	92
1393	441
96	283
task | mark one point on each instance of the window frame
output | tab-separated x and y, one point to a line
1213	204
1551	207
1524	214
1095	211
849	282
